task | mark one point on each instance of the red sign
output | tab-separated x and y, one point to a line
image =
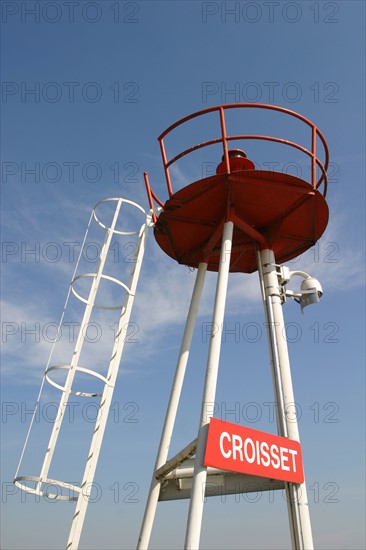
240	449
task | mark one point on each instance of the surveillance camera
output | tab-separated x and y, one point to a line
310	283
311	292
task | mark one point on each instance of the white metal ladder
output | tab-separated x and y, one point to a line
42	481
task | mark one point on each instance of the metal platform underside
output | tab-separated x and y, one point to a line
272	210
219	483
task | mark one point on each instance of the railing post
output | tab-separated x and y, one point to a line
313	157
224	140
166	169
149	196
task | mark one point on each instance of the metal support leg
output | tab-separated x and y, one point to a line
297	501
209	392
171	414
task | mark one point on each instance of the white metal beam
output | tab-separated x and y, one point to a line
200	471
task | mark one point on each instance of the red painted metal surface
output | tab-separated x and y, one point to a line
269	209
241	449
237	161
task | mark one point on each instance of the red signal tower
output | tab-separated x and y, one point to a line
238	220
269	209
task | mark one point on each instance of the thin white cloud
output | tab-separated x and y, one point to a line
24	350
334	259
163	297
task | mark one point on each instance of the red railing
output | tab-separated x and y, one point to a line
225	139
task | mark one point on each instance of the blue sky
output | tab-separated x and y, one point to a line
107	78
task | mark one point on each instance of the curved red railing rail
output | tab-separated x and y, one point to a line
225	139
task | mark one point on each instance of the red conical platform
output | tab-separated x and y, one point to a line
269	209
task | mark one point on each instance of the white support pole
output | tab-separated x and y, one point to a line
171	414
277	388
297	501
200	471
281	421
